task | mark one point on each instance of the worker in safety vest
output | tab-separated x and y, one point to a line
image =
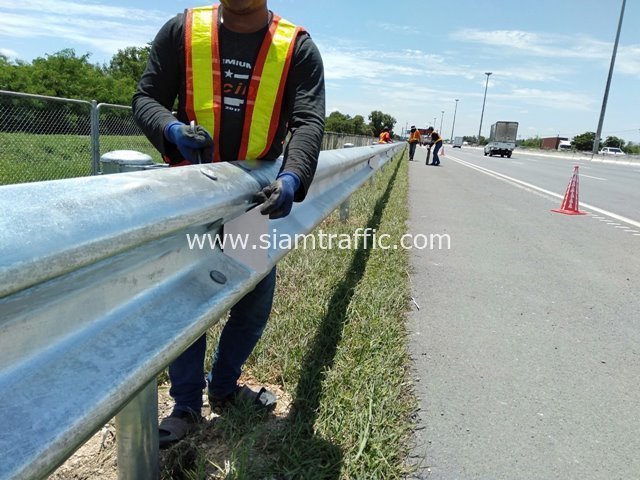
384	136
244	77
414	140
436	144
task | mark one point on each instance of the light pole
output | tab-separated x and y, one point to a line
596	141
453	127
488	74
434	122
441	119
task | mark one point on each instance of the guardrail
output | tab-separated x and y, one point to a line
99	291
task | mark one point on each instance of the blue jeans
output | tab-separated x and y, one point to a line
436	158
239	336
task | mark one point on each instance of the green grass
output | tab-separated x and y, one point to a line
32	158
337	343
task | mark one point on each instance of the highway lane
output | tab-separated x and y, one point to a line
614	187
526	345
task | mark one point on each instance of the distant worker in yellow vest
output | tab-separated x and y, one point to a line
436	144
244	77
414	140
384	136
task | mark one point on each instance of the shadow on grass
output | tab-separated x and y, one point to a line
310	456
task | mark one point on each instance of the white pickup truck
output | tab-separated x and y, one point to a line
502	140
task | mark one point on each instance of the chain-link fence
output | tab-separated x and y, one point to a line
46	138
332	141
118	131
43	138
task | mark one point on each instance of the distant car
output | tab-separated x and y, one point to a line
564	146
611	151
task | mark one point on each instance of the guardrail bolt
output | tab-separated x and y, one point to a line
218	277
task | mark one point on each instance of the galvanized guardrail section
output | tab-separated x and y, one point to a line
99	291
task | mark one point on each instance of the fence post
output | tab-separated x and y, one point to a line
137	436
95	138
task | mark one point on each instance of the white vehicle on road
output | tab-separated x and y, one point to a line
611	151
502	140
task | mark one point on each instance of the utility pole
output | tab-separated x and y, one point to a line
488	74
453	127
441	119
596	141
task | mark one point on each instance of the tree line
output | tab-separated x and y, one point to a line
68	75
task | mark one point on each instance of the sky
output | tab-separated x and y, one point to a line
549	59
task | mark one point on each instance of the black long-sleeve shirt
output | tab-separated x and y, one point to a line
303	106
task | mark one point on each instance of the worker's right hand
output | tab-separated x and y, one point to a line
195	145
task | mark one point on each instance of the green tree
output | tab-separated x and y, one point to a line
359	126
614	142
15	75
129	63
632	148
533	142
584	141
379	120
64	74
338	122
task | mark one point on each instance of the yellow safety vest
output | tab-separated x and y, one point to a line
266	87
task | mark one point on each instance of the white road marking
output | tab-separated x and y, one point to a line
530	186
517	163
632	231
596	178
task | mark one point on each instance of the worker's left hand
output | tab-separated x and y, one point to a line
277	199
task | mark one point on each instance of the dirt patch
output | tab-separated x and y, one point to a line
97	459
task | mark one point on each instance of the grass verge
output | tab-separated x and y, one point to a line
336	343
34	158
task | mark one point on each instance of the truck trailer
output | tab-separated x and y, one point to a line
552	143
502	140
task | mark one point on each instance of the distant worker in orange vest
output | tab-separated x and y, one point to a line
414	140
244	78
384	136
436	144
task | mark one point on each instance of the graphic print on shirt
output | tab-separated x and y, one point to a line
236	75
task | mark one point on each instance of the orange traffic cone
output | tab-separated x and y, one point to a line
570	203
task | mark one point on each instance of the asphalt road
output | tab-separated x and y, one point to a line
527	339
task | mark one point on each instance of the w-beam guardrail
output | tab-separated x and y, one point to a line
99	291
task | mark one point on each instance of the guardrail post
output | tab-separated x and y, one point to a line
95	138
344	210
137	436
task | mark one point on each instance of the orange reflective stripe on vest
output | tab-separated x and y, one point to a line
266	88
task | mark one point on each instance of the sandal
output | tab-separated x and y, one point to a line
176	426
263	400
